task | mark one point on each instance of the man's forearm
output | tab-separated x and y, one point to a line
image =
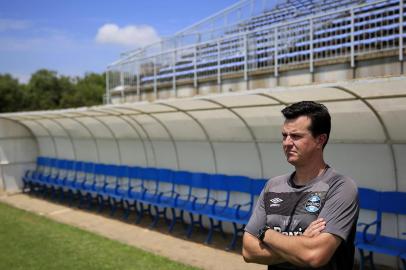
302	250
256	252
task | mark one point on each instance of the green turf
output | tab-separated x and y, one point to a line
29	241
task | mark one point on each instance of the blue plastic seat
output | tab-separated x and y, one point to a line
30	176
371	240
238	213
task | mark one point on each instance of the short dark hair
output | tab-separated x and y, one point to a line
317	112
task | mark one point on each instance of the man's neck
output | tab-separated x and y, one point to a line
305	174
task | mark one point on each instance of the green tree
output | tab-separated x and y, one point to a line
88	91
48	91
11	96
45	90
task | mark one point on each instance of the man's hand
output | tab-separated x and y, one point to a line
254	251
315	228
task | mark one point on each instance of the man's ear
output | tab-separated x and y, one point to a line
321	140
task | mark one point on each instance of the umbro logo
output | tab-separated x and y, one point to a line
275	202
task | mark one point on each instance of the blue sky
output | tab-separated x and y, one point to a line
72	37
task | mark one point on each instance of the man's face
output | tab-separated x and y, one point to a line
298	143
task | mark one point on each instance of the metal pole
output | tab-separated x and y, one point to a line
311	46
107	87
122	83
245	57
173	74
276	52
195	67
155	82
352	39
401	30
218	65
138	82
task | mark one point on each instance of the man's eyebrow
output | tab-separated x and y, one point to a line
294	132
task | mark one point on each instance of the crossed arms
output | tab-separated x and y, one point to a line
312	249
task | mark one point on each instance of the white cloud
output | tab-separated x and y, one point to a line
9	24
132	35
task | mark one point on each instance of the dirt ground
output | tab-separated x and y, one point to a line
157	240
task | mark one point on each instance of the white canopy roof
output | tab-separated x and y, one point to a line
364	111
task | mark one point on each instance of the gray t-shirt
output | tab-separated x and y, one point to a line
290	209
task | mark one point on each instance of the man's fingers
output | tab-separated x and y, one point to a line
319	220
315	228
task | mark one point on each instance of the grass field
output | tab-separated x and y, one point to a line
29	241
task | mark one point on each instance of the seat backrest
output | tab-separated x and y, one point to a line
393	202
182	178
111	170
122	171
218	182
123	178
133	172
239	183
369	199
257	186
88	167
149	178
135	179
70	165
200	180
165	175
41	161
78	166
100	171
63	168
62	164
149	174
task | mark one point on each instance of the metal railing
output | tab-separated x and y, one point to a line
346	33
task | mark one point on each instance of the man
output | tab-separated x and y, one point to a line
306	219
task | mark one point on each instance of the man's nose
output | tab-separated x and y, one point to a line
287	140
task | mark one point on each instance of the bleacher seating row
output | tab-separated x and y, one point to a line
370	240
331	36
143	189
375	29
198	194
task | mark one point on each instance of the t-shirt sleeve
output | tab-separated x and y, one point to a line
258	217
341	208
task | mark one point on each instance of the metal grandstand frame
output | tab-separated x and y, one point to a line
261	42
